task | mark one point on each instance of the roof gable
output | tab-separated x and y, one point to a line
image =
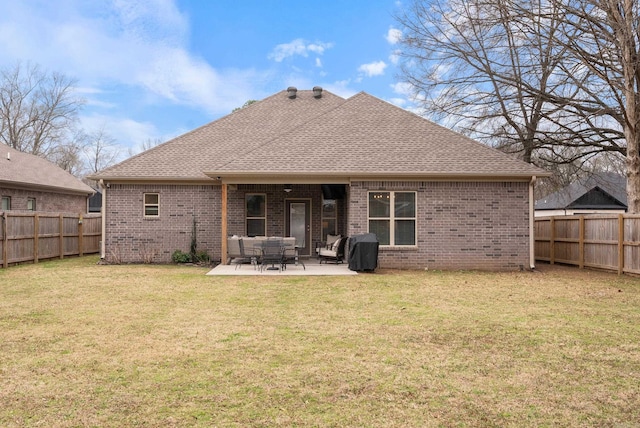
365	135
27	170
217	143
328	136
601	190
594	199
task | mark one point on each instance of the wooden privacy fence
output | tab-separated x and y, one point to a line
609	242
38	236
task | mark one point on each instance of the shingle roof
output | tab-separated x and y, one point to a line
26	170
328	136
613	185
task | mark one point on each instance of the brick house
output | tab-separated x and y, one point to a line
308	163
31	183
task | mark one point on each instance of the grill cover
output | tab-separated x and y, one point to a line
363	252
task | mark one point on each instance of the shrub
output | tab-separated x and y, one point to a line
181	257
202	257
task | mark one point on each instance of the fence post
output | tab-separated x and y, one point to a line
80	233
552	240
620	244
36	235
581	242
61	242
5	241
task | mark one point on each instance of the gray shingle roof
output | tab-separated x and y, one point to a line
329	136
614	185
26	170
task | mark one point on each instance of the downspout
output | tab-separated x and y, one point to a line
104	218
532	225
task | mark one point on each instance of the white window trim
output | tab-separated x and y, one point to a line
246	214
334	217
392	218
145	205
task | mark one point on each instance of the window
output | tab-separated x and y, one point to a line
392	217
256	214
329	217
31	204
6	203
151	205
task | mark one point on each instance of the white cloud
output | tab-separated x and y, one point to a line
373	69
394	58
126	132
393	36
402	88
139	45
297	47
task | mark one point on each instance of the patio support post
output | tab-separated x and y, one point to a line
223	226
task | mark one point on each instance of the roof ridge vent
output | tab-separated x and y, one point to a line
291	92
317	92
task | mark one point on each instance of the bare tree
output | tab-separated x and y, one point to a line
68	156
481	67
606	46
150	143
556	81
37	109
100	150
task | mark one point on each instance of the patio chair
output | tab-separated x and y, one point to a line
331	239
291	256
272	253
335	253
245	256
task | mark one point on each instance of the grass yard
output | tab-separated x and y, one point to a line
112	346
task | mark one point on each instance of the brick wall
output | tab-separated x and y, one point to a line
132	238
276	208
460	225
46	201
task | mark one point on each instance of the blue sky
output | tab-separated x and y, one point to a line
154	69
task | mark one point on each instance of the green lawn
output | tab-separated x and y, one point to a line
109	346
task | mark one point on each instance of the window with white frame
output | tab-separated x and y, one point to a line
6	203
151	205
392	217
31	204
256	214
329	217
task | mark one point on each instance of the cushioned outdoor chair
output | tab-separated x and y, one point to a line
333	253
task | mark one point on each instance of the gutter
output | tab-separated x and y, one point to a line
103	187
532	225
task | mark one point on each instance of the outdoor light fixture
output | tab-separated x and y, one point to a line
287	188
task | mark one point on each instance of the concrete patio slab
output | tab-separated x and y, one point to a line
313	268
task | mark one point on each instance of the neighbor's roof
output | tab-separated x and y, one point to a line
18	169
327	136
612	186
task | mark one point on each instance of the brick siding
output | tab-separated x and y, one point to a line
46	201
133	238
276	209
460	225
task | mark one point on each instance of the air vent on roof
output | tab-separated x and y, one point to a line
317	92
291	90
